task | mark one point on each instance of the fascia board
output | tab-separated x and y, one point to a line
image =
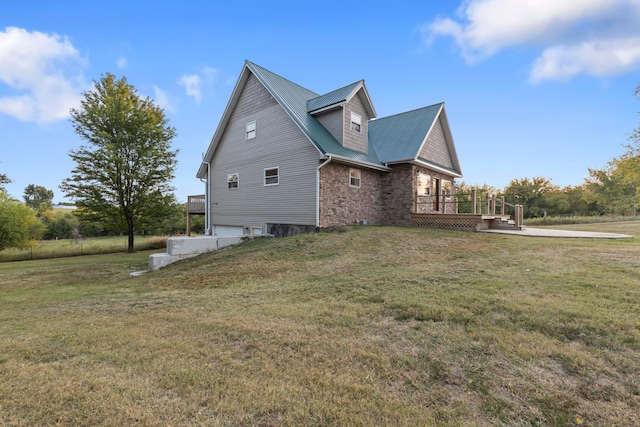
368	104
450	143
327	108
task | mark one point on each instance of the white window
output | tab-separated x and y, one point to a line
354	178
272	176
251	130
356	122
424	184
233	181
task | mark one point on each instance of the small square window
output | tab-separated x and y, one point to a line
272	176
251	130
354	178
356	122
233	181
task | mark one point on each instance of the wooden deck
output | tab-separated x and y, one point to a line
466	222
195	206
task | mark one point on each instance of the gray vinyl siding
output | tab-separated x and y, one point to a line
333	122
278	143
436	148
351	139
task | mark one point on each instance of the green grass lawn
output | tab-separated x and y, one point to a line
359	326
47	249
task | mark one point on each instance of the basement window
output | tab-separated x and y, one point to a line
354	178
272	176
233	181
356	122
251	130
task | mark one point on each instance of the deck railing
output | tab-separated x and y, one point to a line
474	203
195	204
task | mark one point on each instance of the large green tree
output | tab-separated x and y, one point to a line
19	225
532	194
617	184
122	175
38	198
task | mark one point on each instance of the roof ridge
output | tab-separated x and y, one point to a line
283	78
406	112
339	89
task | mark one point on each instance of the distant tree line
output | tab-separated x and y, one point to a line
35	218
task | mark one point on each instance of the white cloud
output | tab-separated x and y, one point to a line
44	72
163	99
597	58
195	83
193	86
574	37
122	62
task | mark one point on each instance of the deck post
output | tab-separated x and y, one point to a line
502	206
521	216
493	204
487	202
473	201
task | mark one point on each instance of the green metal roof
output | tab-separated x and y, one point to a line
399	137
335	97
293	98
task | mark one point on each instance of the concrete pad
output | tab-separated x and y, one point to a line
547	232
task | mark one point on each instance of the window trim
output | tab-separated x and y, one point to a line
237	181
277	176
250	130
351	178
356	122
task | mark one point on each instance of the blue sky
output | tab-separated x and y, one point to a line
531	88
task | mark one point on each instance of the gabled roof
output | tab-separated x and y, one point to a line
293	99
340	97
391	139
400	138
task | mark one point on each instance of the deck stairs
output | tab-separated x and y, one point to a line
501	222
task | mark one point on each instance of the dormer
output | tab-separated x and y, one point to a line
345	113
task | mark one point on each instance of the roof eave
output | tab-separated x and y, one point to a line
429	165
327	108
346	160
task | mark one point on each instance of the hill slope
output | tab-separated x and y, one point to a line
360	326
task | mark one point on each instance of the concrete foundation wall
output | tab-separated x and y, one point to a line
179	248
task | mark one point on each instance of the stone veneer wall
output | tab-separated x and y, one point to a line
399	194
341	204
384	198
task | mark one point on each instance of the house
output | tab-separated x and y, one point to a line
285	160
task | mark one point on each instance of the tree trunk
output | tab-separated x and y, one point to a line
131	229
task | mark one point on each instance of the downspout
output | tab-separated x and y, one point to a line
318	191
207	207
